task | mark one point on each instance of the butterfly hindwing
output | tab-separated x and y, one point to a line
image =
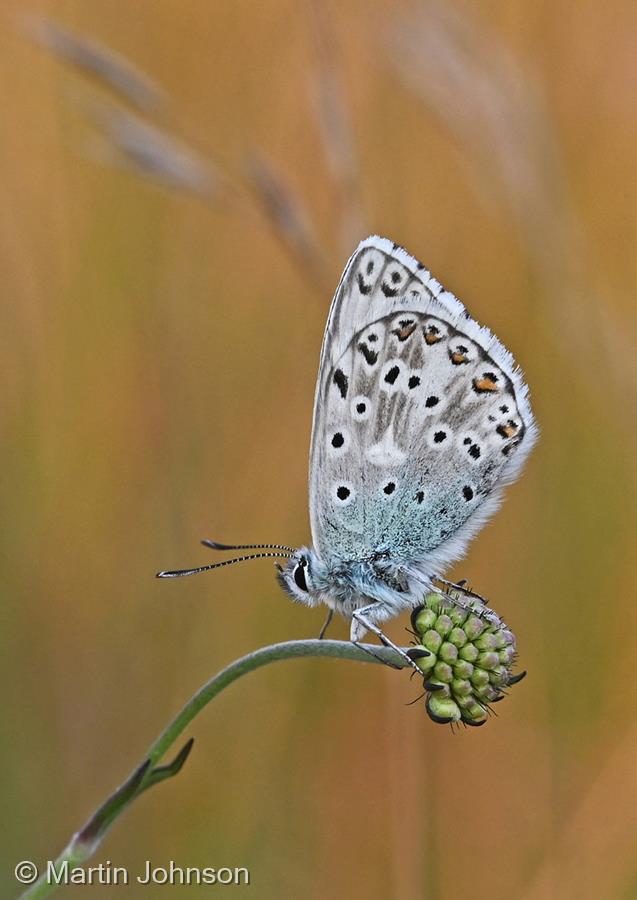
420	415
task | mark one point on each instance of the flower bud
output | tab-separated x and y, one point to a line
471	657
449	653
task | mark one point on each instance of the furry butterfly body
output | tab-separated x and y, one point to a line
421	418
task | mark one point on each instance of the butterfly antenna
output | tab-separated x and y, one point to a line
179	573
215	545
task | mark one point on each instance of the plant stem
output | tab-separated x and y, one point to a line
85	842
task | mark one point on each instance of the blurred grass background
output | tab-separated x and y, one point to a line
158	353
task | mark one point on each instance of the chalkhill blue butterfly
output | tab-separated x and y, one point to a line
421	418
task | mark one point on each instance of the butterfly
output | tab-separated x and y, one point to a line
421	418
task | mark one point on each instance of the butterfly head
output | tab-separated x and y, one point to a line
298	577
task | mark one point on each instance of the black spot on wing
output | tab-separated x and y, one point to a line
363	286
371	357
392	375
341	382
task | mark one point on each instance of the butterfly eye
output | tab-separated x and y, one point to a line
299	576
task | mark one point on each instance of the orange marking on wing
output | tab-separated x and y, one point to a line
432	335
508	430
486	384
406	331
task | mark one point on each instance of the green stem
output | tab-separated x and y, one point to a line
85	842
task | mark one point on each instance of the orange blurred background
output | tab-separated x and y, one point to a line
158	353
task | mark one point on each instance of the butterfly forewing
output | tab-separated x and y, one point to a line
419	414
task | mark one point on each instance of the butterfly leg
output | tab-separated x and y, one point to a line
461	587
361	624
378	658
326	624
456	591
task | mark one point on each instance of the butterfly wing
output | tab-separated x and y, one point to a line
420	417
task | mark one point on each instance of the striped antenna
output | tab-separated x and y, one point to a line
179	573
215	545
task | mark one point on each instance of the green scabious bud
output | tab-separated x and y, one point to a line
471	653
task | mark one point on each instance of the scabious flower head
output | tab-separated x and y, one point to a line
471	653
